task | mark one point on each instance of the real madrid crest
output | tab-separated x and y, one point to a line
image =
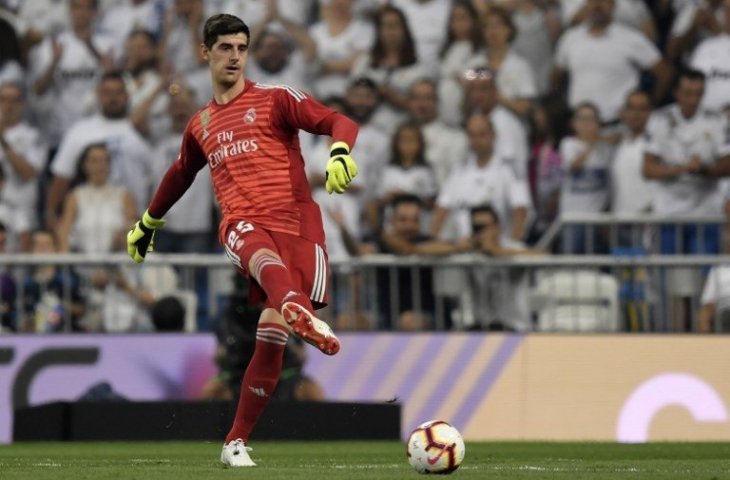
250	115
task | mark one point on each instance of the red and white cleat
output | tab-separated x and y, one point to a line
310	328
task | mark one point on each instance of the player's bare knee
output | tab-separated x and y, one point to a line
270	315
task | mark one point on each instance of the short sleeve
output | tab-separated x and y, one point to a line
562	51
66	160
519	193
654	136
644	53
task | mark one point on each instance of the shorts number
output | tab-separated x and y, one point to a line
244	227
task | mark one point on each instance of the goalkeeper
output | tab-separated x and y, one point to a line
271	230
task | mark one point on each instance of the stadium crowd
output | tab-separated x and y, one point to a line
480	122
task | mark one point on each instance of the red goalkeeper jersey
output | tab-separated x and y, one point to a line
251	146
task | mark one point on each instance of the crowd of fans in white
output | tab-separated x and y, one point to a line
533	107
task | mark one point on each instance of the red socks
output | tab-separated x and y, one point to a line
260	379
276	281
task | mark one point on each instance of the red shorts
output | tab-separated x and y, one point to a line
306	260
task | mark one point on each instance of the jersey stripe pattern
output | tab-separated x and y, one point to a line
251	146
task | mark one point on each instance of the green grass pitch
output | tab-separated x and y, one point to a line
362	460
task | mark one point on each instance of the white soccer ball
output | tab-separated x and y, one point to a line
435	447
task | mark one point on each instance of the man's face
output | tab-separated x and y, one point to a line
406	220
484	226
82	12
481	136
422	102
139	52
227	58
637	112
112	95
481	90
600	12
271	53
11	105
361	102
689	95
43	242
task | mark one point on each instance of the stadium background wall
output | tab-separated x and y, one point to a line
630	388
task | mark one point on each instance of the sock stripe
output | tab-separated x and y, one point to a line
272	333
270	339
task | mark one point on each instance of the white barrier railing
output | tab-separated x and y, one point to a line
551	292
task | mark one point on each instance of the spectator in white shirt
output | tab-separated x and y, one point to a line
515	78
123	18
586	183
446	147
407	172
427	20
341	39
22	153
463	40
254	11
485	179
131	156
482	95
631	193
44	17
538	28
282	52
147	89
391	64
632	13
604	60
97	214
712	57
182	35
688	150
693	23
16	229
66	67
714	314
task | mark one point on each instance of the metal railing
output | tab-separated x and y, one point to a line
624	230
546	293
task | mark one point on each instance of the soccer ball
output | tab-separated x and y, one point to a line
435	447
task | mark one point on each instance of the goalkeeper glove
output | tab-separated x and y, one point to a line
341	168
141	238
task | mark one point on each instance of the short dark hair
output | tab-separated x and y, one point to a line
639	91
223	24
405	198
112	75
691	74
485	208
366	82
590	106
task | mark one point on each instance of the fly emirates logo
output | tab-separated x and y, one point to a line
228	147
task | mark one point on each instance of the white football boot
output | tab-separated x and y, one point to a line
235	454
